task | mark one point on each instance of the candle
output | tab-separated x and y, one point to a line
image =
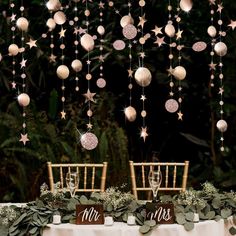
108	220
196	217
131	220
56	219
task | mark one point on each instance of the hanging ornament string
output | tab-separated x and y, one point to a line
171	105
62	70
221	50
101	82
23	98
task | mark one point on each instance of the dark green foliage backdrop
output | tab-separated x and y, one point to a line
51	138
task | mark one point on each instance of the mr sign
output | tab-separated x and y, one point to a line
89	214
160	212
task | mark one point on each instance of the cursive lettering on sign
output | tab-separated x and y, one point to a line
89	214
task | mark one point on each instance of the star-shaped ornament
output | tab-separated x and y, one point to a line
101	4
52	58
212	2
143	97
81	30
32	43
62	33
76	30
142	54
160	41
23	63
13	85
142	21
221	91
130	72
212	66
144	133
157	30
232	24
13	17
170	71
63	115
220	8
89	126
179	34
24	138
180	115
89	96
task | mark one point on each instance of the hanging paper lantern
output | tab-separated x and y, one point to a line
63	72
130	113
222	125
143	76
23	99
126	20
220	49
13	50
89	141
87	42
179	72
186	5
22	23
76	65
212	31
101	30
51	24
53	5
171	105
59	17
170	30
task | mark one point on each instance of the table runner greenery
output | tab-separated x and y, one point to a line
31	219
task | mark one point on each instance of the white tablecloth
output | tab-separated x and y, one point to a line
205	228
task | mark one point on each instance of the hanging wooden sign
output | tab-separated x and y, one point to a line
162	213
89	214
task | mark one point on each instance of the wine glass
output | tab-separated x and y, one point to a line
155	178
72	182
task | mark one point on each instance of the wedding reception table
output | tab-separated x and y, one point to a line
205	228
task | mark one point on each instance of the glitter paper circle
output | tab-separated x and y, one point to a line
119	45
199	46
171	105
129	31
59	17
222	125
101	83
89	141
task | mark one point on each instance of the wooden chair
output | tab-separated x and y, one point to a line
92	177
174	176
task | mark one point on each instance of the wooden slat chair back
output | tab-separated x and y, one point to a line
92	176
174	176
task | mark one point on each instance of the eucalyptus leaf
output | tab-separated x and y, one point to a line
109	207
179	208
210	215
232	230
144	229
23	216
180	218
217	218
189	226
33	230
96	196
189	216
83	199
225	213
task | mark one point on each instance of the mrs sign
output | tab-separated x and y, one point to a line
160	212
89	214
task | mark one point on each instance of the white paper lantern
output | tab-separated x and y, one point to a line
51	24
23	99
126	20
211	30
143	76
13	50
179	72
87	42
76	65
59	17
220	49
22	23
63	72
53	5
186	5
101	30
222	125
130	113
170	30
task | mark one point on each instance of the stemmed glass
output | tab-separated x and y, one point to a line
154	178
72	182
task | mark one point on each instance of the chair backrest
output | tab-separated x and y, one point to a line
92	176
174	176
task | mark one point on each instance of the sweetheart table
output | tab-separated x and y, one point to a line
204	228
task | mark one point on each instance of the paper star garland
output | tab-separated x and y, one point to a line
179	34
180	115
159	41
32	43
23	63
89	96
157	30
232	24
62	33
144	133
63	115
142	21
24	138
